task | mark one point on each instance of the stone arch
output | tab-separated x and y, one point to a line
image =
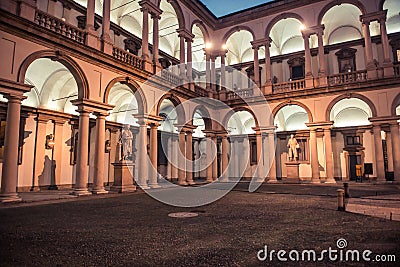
236	29
136	90
281	17
233	111
339	2
203	29
178	10
287	103
206	114
178	105
395	104
352	95
68	62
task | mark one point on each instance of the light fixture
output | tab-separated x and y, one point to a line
224	47
302	27
208	45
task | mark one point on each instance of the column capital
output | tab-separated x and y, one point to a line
374	16
87	105
150	7
14	89
182	32
385	120
262	42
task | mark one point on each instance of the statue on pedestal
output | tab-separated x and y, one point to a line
126	141
293	145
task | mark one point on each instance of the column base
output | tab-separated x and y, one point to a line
315	181
80	192
182	183
99	191
52	187
143	186
267	89
92	40
147	65
388	70
309	81
154	186
272	181
122	188
330	181
107	46
322	80
8	198
209	180
191	182
35	189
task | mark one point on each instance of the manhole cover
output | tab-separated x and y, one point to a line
183	214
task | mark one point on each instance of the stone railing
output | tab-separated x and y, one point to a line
241	93
289	86
127	58
396	70
200	91
347	78
170	77
59	26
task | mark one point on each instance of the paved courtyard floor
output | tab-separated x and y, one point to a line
55	229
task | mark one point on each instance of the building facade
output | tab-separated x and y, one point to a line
223	93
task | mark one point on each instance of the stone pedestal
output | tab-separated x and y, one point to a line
292	169
123	177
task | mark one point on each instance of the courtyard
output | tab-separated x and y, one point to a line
135	230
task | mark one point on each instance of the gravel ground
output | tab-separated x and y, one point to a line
135	230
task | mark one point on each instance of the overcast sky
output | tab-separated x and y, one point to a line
224	7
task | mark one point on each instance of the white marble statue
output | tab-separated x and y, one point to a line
293	145
126	140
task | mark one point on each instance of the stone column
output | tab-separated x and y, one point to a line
387	64
91	38
256	66
189	60
107	45
394	130
175	155
40	149
156	18
371	68
181	159
225	160
142	155
215	161
145	38
223	70
57	153
380	166
307	54
153	155
208	73
321	52
80	187
189	156
213	74
210	155
182	59
11	143
98	179
235	158
271	157
267	62
260	163
328	156
314	156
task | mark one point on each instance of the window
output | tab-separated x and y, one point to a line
346	59
2	134
395	44
296	66
253	152
303	149
353	140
